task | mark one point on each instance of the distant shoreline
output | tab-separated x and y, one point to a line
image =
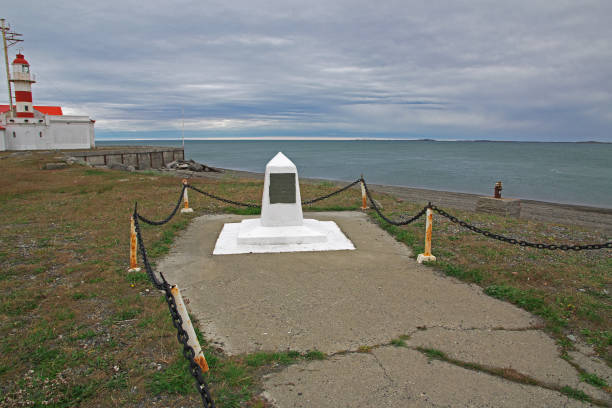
337	139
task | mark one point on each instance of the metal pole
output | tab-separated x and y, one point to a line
186	199
133	247
427	256
183	131
6	63
364	203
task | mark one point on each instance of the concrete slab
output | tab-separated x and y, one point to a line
529	352
400	377
330	301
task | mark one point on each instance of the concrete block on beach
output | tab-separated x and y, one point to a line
499	206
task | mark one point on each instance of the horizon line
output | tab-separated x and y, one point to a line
335	138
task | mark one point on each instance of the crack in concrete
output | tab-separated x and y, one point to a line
489	370
382	367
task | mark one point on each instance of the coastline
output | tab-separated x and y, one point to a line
598	218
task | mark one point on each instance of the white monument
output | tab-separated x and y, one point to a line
282	227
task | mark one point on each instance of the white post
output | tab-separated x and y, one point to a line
186	199
188	327
427	256
364	202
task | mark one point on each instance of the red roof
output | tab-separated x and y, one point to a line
47	110
2	127
50	110
19	59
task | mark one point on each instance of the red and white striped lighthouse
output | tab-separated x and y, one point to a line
22	81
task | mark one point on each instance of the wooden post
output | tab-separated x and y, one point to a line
186	199
364	202
188	327
427	256
133	247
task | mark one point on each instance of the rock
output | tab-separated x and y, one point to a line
571	337
121	166
172	165
196	167
55	166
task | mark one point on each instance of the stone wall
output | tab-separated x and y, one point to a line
140	158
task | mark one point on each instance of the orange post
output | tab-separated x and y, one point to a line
133	247
364	202
427	256
186	199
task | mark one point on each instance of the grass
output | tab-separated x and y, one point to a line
593	379
78	323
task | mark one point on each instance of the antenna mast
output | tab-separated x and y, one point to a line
9	38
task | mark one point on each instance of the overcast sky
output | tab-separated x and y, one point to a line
518	70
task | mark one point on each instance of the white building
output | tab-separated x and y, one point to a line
29	127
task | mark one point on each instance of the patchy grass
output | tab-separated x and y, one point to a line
569	290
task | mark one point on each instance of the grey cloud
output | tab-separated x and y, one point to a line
522	70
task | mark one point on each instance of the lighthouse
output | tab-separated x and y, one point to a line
22	80
25	126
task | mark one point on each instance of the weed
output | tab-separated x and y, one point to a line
398	343
574	393
432	354
593	379
315	355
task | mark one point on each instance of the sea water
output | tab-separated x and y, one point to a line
573	173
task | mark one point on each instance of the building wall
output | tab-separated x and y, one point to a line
61	132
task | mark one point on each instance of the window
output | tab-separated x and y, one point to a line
25	121
26	108
14	134
40	134
25	68
12	120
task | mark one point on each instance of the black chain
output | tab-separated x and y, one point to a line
143	251
188	351
515	241
177	321
169	217
390	221
225	200
331	194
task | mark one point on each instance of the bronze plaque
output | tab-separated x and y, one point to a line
282	188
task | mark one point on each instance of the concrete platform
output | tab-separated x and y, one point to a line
338	301
249	236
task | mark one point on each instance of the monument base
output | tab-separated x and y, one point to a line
500	206
249	236
253	233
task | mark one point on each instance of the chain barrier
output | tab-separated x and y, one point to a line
169	217
515	241
390	221
143	252
225	200
177	321
188	351
331	194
